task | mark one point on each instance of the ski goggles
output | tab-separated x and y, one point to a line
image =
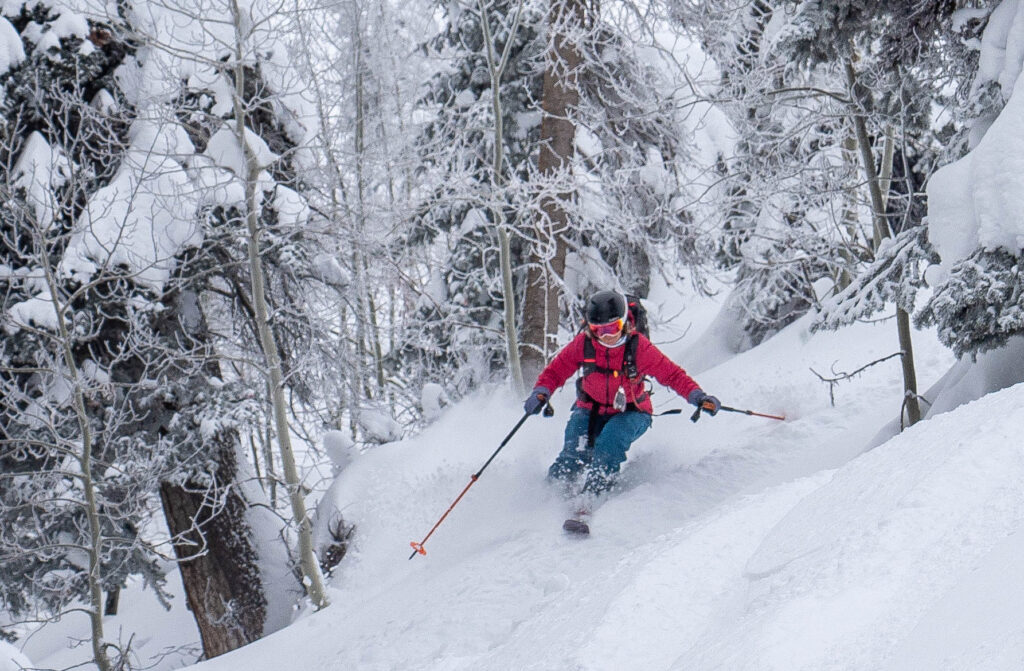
611	328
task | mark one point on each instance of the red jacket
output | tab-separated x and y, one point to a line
602	386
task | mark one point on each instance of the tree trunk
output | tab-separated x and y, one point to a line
367	331
85	462
217	558
848	224
882	231
495	67
558	142
312	579
206	515
112	602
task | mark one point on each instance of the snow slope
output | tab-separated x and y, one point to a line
733	543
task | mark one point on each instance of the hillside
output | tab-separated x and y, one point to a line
733	543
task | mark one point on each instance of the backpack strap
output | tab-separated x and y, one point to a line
629	367
629	357
597	419
589	357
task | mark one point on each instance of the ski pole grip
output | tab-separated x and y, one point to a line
696	414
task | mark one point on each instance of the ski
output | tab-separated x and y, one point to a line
576	526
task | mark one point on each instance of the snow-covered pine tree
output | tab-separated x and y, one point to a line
789	210
622	193
896	59
913	59
74	487
976	302
635	161
980	305
457	336
821	87
118	182
248	122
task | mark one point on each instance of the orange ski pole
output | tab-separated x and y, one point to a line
707	406
755	414
417	548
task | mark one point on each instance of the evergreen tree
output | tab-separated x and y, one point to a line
978	307
74	485
975	304
913	58
123	222
635	161
894	58
259	275
623	193
788	215
457	337
796	210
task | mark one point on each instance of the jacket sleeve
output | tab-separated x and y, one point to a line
563	366
651	361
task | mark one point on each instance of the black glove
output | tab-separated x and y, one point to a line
709	404
536	400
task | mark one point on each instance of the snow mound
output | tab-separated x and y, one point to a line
871	567
11	659
747	556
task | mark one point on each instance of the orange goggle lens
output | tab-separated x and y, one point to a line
611	328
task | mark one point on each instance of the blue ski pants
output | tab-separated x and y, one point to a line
603	461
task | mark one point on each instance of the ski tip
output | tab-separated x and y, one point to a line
576	527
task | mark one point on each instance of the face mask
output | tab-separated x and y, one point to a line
619	343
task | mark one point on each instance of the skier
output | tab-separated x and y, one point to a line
613	407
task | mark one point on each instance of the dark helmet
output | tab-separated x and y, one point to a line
606	306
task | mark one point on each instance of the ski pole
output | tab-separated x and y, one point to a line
707	406
417	548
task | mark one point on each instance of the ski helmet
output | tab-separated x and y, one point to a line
606	306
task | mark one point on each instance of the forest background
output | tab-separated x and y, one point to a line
243	241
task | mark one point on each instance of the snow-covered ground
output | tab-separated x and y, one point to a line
733	543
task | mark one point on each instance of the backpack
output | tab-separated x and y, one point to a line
637	315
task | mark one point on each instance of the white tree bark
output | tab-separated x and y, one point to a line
312	578
95	548
496	67
882	231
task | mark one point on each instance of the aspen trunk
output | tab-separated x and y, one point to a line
311	577
496	67
95	547
881	228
